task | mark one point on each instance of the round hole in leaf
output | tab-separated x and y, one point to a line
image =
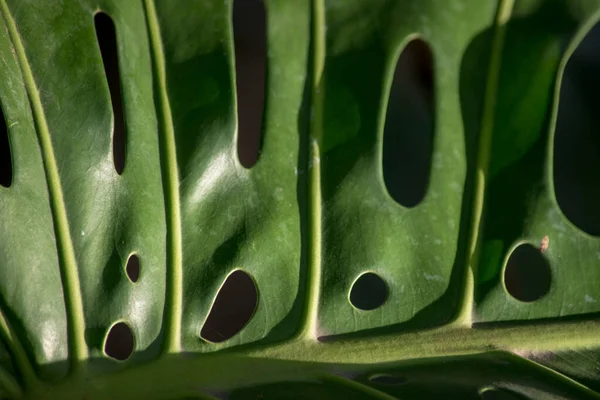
368	292
527	276
133	268
119	342
233	308
497	394
388	380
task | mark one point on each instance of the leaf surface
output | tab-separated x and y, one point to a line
309	218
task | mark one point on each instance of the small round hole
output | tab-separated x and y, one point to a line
388	380
368	292
119	342
527	275
496	394
133	268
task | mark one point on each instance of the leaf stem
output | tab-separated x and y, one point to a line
464	315
66	254
173	303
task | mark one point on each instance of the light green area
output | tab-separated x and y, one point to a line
311	216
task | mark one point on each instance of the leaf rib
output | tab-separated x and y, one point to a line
464	315
9	384
357	387
560	377
310	311
170	175
66	254
20	359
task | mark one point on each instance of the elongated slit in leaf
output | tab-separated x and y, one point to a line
577	137
107	40
233	308
6	169
250	61
119	342
409	126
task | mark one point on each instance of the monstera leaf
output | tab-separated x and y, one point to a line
114	274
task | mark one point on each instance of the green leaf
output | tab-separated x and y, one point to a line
307	220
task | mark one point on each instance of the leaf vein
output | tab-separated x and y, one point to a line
170	175
66	254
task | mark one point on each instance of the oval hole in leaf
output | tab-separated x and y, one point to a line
368	292
133	268
5	156
249	31
119	342
107	40
409	126
527	276
497	394
388	380
577	137
233	308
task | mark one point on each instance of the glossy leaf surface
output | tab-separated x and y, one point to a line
309	219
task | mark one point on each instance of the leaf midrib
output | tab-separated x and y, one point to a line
313	359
